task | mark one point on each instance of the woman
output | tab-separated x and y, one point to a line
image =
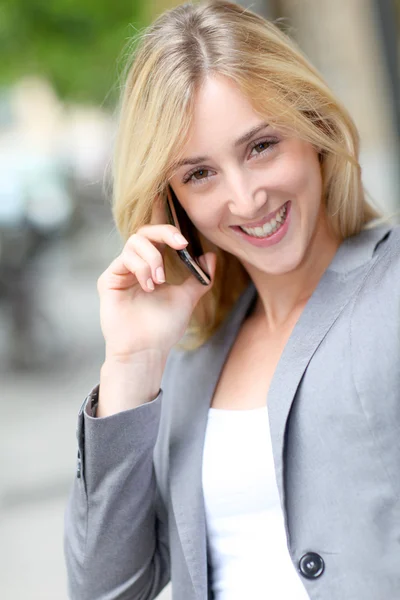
259	458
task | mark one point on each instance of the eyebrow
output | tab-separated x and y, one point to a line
242	140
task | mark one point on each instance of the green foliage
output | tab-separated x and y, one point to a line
76	44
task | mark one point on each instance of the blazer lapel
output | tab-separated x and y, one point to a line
336	288
313	325
198	373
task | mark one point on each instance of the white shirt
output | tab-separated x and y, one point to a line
245	523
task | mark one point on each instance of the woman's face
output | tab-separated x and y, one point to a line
240	172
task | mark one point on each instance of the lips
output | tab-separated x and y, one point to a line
261	222
270	239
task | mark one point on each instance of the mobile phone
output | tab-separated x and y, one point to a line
177	216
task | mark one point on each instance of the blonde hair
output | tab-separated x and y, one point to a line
173	56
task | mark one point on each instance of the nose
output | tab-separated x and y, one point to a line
246	201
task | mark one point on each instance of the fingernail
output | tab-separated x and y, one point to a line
180	239
160	276
150	284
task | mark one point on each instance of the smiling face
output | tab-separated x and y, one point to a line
241	172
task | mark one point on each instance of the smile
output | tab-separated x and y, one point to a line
268	231
268	228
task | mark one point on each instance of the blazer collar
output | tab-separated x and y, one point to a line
358	249
335	290
201	369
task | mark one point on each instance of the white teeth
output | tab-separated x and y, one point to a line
268	228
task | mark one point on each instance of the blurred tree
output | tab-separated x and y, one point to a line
76	44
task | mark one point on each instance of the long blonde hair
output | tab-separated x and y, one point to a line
172	58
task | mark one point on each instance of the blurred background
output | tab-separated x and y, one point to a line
59	80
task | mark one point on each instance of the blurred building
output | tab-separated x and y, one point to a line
354	44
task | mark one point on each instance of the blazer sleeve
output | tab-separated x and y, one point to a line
116	530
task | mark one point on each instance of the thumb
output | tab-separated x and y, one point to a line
192	286
208	262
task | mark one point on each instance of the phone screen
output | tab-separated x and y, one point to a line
177	216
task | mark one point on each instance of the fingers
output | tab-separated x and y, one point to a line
139	268
144	249
142	244
140	261
126	271
162	234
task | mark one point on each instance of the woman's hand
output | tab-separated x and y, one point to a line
142	317
138	310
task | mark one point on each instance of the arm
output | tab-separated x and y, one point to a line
116	538
116	529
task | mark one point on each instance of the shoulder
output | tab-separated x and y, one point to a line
384	272
372	257
376	307
389	246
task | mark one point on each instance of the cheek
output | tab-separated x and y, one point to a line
305	182
205	217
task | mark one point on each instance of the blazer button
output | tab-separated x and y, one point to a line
311	565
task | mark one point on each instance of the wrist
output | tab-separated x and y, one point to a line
119	361
127	384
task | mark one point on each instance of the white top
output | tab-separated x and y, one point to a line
245	524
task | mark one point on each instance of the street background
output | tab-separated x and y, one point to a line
58	90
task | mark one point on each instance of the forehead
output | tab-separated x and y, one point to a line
222	111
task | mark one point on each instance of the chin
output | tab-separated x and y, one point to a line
280	268
284	262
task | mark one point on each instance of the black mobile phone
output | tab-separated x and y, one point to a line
178	217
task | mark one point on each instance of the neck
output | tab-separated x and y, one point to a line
281	298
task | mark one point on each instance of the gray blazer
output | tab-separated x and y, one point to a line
135	518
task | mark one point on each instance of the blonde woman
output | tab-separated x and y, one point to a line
244	440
